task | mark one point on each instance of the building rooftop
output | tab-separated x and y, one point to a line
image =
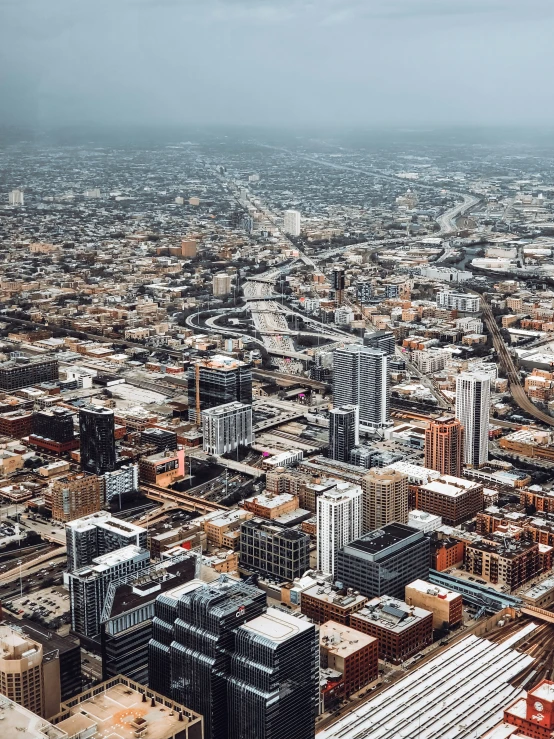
441	695
326	592
17	721
277	626
453	487
392	614
342	640
538	590
123	709
428	588
379	541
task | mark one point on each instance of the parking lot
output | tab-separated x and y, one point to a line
46	605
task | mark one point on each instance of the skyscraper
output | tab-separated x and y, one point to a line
338	284
343	432
216	381
291	222
385	498
274	678
16	197
226	427
221	284
339	521
26	677
96	425
473	400
444	446
360	378
193	641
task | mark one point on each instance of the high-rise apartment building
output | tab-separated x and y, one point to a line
23	371
385	498
343	432
473	401
339	521
444	445
193	642
459	301
88	586
97	534
360	377
226	427
96	425
291	222
119	483
221	284
273	550
217	381
274	678
75	496
16	197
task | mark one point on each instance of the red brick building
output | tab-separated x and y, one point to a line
352	654
401	630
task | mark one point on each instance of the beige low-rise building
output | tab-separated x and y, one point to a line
445	605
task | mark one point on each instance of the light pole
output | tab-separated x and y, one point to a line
20	562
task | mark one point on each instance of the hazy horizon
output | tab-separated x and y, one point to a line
277	63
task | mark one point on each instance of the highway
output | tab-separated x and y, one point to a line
447	220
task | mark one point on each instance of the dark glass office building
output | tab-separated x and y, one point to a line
160	438
97	440
269	549
383	340
274	678
55	424
193	641
128	612
384	561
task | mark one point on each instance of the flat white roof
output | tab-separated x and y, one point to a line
442	699
277	625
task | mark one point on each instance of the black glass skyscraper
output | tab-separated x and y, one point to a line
343	432
193	640
97	441
274	678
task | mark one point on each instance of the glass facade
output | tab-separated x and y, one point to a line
193	640
96	425
274	679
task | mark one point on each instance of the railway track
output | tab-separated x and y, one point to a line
507	362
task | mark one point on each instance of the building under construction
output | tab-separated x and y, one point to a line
215	381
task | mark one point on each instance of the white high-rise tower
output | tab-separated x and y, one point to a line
339	522
291	222
473	401
360	377
16	197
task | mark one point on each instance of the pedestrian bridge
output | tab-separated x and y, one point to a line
538	613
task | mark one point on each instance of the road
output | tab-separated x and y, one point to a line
447	220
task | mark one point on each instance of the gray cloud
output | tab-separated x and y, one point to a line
275	62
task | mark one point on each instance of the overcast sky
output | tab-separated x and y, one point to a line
275	62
